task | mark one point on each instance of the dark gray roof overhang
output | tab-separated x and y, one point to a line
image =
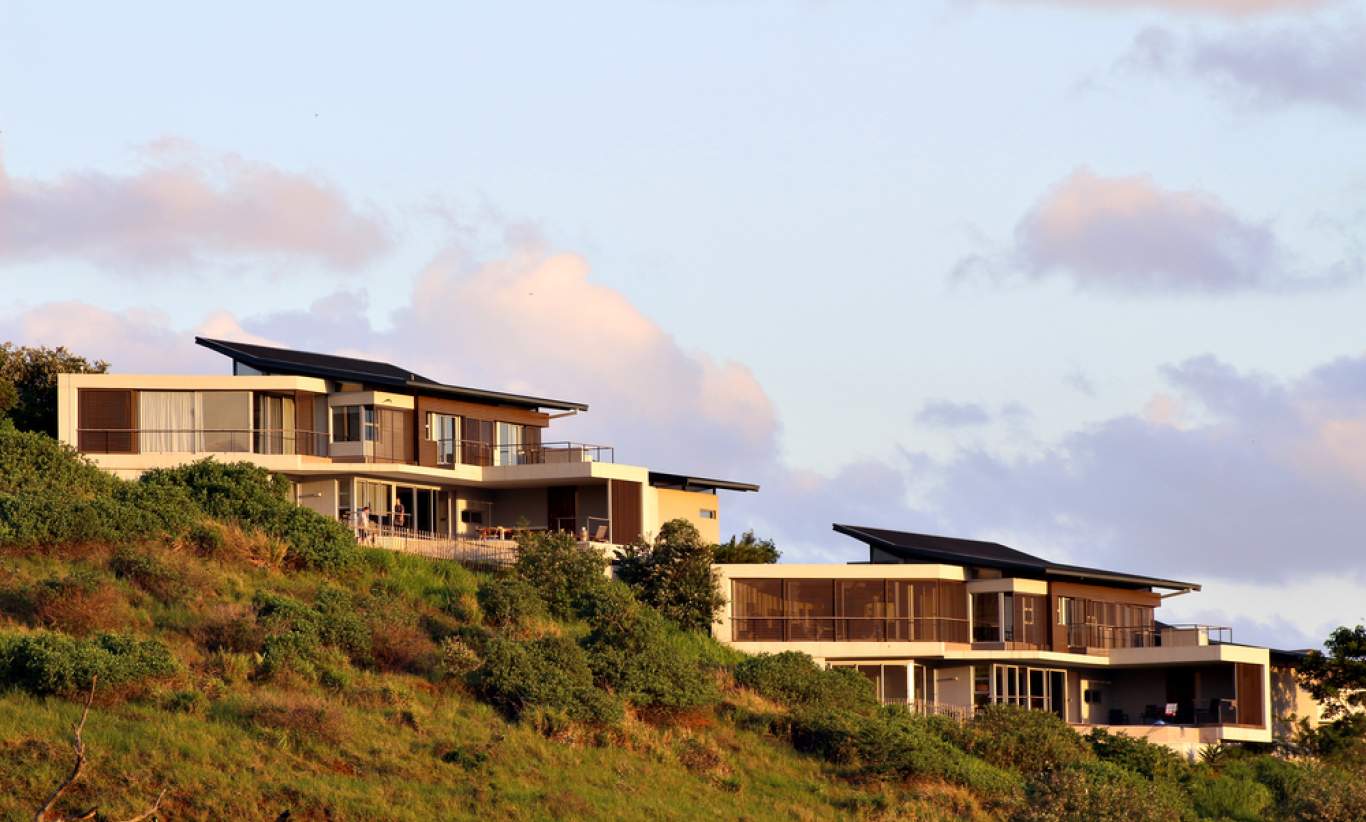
350	369
690	483
953	550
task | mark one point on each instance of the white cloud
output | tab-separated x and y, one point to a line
1128	235
183	209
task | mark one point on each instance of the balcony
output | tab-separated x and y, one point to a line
202	441
449	453
849	629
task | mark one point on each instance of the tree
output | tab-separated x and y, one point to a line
674	575
9	397
1337	679
747	548
32	372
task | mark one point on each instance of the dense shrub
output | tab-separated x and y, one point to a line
550	672
1031	742
34	463
1229	795
297	633
255	498
1327	794
638	654
510	601
49	495
896	744
746	548
674	575
49	663
1101	791
1155	762
793	678
565	573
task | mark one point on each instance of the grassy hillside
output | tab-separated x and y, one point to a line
250	659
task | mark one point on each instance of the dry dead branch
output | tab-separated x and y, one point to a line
46	812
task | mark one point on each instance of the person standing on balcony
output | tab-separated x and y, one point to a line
400	514
364	524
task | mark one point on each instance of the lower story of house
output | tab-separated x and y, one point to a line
1182	706
600	510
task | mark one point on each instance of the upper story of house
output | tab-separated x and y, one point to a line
315	416
954	597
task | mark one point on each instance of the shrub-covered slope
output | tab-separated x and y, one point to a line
249	658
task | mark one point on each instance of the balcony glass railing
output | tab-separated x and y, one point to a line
203	441
472	452
849	629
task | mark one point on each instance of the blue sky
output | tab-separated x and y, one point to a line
1081	276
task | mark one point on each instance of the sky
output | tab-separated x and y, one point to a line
1082	276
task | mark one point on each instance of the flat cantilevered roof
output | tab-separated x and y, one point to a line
690	483
933	548
270	360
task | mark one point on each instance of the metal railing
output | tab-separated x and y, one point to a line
849	629
1211	634
450	452
486	553
289	441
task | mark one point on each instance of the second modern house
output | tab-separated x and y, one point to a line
434	463
949	625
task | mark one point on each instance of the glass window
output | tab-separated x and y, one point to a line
811	609
353	423
986	617
444	430
863	604
509	451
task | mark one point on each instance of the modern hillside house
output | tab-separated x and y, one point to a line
948	625
436	464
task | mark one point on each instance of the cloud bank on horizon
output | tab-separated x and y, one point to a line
185	209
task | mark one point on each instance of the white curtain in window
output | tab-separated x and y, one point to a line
509	451
167	421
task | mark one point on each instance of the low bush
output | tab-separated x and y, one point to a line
639	655
510	601
1031	742
795	679
255	498
566	574
1101	791
1326	793
1229	795
550	672
895	744
1155	762
50	663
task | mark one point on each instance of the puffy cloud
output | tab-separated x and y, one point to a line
1312	64
182	209
1267	485
132	342
1129	235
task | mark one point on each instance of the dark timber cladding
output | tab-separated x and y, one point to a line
106	419
623	499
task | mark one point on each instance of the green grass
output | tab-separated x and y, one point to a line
383	745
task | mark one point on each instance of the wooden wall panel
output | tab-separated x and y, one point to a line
495	413
106	419
625	514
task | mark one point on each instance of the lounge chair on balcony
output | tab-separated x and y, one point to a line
600	535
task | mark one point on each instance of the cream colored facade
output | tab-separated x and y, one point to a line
1094	687
466	496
